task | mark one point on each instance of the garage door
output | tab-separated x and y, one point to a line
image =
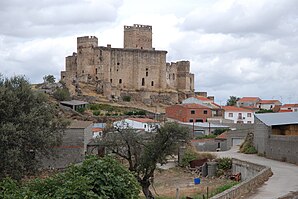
237	141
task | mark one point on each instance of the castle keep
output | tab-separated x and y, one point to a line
137	70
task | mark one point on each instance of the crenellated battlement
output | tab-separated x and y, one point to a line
138	26
87	41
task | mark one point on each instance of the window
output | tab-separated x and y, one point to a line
199	120
120	81
111	80
173	76
248	122
145	126
152	83
192	112
190	120
205	112
248	114
83	71
118	63
143	81
95	70
146	74
230	114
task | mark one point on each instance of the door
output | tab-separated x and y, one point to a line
237	141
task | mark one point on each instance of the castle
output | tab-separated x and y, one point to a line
137	70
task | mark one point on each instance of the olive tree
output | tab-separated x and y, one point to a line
29	127
144	150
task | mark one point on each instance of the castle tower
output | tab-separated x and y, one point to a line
138	37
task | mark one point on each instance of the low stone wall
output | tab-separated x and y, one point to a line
262	174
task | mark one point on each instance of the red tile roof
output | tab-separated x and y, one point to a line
143	120
289	105
215	104
235	109
268	101
195	106
202	98
222	136
97	129
248	99
285	111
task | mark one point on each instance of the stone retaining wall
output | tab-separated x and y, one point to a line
252	182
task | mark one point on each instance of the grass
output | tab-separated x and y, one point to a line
205	136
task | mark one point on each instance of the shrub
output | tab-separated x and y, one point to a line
96	113
126	98
81	110
140	112
224	163
205	136
94	178
61	94
189	156
247	146
219	131
94	107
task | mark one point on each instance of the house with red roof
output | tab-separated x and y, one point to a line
268	104
145	124
250	102
209	102
238	114
289	108
188	112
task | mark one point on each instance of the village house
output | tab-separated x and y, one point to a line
238	114
206	101
268	104
188	112
145	124
250	102
289	108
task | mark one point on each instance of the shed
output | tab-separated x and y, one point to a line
74	104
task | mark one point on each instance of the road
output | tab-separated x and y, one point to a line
283	181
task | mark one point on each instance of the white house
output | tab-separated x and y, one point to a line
238	115
289	108
145	124
268	104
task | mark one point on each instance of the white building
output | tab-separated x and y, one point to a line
289	108
145	124
268	104
238	115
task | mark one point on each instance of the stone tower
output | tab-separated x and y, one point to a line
138	37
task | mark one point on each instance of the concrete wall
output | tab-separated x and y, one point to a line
254	175
282	148
72	150
209	144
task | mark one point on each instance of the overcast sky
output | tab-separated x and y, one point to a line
236	47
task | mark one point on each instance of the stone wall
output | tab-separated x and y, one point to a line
254	175
261	135
136	67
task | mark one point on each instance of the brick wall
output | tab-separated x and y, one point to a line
184	114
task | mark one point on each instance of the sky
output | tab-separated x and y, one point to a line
236	47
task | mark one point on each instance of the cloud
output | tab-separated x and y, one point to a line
51	18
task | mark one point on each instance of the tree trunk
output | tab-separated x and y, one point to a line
145	188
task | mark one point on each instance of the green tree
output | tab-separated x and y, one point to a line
95	178
232	101
29	127
49	79
62	94
144	150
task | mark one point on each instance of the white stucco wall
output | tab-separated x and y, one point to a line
245	117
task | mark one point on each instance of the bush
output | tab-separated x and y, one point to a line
96	113
126	98
61	94
224	163
189	156
205	136
250	150
81	110
94	107
94	178
220	131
